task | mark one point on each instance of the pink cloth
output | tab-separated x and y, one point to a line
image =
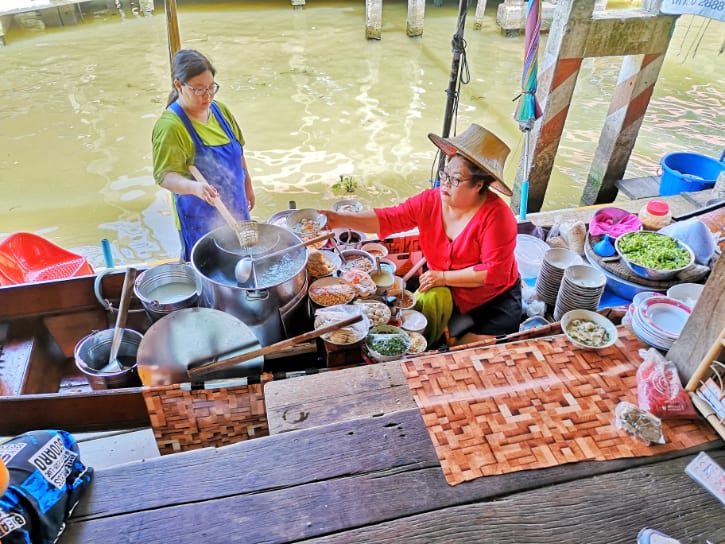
486	243
614	221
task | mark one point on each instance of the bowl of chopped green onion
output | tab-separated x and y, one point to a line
652	255
387	343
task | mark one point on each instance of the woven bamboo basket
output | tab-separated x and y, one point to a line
185	419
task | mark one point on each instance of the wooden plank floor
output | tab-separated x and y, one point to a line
379	480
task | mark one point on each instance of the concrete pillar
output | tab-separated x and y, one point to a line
416	16
373	19
478	19
511	16
297	3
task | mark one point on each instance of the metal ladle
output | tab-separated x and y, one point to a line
114	365
244	266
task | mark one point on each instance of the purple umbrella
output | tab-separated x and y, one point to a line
528	109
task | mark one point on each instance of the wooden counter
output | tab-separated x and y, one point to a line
357	465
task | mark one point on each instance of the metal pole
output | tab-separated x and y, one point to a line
451	93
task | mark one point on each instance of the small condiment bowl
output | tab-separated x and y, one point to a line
375	249
594	317
413	321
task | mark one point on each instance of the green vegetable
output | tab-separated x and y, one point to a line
653	250
389	344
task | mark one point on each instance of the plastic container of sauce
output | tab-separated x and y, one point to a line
655	215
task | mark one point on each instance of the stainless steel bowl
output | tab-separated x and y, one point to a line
653	273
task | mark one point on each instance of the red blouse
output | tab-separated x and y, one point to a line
487	242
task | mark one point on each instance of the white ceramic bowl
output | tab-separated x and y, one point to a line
584	275
687	293
330	291
585	315
306	222
375	249
413	321
347	206
380	337
561	258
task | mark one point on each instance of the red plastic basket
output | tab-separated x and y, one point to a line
29	258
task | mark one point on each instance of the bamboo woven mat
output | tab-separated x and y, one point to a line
533	404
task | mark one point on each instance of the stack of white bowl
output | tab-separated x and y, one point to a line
581	289
548	282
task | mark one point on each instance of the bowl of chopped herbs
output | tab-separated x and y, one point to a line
652	255
387	343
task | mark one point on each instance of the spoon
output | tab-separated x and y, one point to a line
114	365
244	266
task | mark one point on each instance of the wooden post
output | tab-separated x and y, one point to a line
172	29
641	37
416	16
478	18
559	70
373	19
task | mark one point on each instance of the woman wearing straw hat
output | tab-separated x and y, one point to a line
467	236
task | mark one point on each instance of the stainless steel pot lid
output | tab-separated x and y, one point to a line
192	335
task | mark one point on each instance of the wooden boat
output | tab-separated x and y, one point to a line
40	327
41	324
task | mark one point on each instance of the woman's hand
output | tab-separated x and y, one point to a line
431	279
206	192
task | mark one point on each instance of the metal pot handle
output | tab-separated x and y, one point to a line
257	294
105	302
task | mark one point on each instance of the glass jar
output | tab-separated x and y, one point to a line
655	214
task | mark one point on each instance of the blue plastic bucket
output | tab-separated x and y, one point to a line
687	172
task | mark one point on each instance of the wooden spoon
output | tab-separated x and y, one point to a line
219	205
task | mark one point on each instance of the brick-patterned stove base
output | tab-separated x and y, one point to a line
533	404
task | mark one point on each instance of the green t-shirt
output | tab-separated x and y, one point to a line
173	148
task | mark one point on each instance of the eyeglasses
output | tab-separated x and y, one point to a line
450	180
200	91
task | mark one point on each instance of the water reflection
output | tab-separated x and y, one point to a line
315	100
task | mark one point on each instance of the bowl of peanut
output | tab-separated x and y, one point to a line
330	291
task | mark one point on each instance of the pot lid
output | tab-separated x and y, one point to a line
192	335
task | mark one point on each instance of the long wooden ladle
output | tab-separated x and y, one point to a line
219	205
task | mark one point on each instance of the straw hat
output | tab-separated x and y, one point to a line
482	148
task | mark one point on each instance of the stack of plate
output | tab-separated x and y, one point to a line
581	289
658	321
556	260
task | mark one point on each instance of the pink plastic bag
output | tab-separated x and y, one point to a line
659	389
613	221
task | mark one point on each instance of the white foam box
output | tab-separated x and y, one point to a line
706	472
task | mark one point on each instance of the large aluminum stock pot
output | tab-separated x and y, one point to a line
272	298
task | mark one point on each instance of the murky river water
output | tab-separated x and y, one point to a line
315	100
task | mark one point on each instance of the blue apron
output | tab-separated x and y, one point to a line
221	165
